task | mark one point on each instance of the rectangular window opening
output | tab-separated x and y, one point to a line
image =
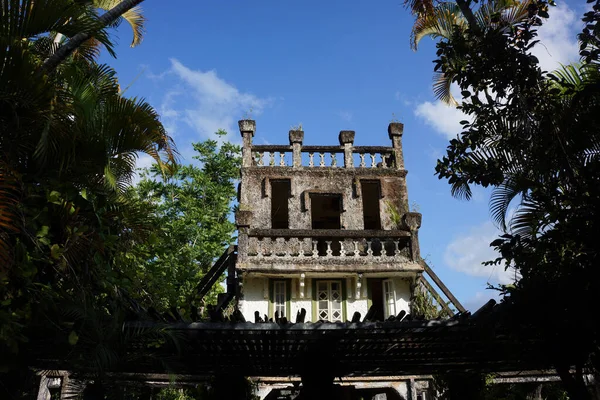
280	193
371	192
326	210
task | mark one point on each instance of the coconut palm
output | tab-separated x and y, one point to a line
445	19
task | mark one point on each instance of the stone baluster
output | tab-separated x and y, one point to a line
329	251
369	249
395	130
281	159
247	129
321	159
311	161
333	159
342	248
347	141
315	250
396	248
373	163
260	156
296	138
356	250
271	158
362	160
384	161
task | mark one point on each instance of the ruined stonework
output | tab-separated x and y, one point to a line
325	228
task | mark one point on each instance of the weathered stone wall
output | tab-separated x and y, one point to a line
255	194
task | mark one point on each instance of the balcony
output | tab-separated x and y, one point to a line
325	249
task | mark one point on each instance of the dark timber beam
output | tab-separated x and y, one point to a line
441	285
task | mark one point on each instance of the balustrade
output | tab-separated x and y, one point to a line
323	156
384	247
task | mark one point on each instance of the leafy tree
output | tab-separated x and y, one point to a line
533	137
193	209
69	144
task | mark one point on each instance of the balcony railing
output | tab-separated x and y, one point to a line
323	156
333	245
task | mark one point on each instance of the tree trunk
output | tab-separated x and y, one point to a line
468	14
68	48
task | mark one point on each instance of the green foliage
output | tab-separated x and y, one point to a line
69	144
533	137
191	210
423	304
176	394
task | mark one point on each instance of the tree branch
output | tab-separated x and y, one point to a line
68	48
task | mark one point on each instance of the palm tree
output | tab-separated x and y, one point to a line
445	19
68	148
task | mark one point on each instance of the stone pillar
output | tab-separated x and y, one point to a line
243	218
412	221
347	140
247	129
395	130
296	138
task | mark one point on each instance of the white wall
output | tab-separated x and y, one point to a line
253	299
353	305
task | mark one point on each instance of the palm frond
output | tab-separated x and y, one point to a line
439	22
502	197
529	219
442	84
419	7
134	17
461	190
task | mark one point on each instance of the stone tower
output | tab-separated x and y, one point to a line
326	229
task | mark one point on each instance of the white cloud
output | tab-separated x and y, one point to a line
558	40
558	45
480	298
466	253
443	118
207	102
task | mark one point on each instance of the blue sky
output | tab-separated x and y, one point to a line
329	65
